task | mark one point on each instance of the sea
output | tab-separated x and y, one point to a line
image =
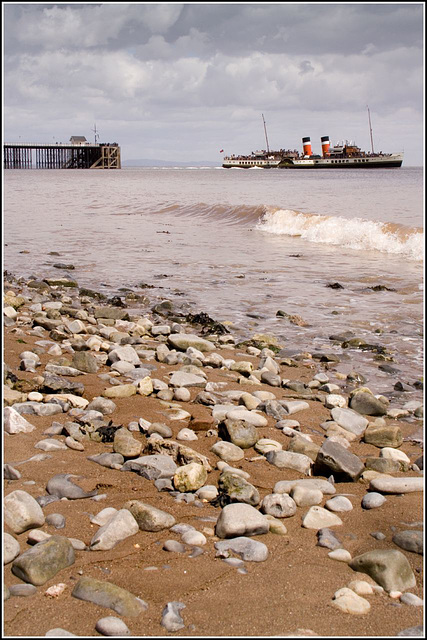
300	255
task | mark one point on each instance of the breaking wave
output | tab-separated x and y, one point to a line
356	233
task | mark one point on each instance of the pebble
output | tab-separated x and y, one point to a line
339	504
349	602
171	617
411	599
342	555
22	590
112	626
318	518
373	500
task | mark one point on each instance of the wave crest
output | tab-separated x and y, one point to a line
356	233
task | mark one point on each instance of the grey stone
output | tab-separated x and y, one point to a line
328	538
299	444
104	405
107	594
56	520
411	599
382	465
240	519
152	467
294	406
54	384
251	417
182	341
410	541
339	460
171	618
11	548
237	489
22	590
180	453
85	361
228	451
125	444
183	379
279	505
372	500
389	568
366	403
111	460
240	433
289	460
43	561
148	517
124	353
249	550
10	473
61	485
174	546
412	631
383	435
50	444
349	420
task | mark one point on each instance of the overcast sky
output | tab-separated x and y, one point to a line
182	81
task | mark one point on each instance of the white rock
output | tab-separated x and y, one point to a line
15	423
349	602
293	406
339	504
193	538
318	518
22	512
252	417
118	528
394	454
361	587
388	484
342	555
335	400
306	497
186	434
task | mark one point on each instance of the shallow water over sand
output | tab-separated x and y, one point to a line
241	245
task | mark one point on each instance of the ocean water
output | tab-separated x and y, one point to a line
241	245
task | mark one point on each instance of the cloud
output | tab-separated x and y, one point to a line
205	66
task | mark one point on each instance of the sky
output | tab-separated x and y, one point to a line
183	81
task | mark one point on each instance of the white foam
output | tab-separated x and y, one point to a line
355	233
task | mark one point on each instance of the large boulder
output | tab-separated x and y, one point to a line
388	567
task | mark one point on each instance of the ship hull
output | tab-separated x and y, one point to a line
390	162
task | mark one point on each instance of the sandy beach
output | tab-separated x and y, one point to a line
290	593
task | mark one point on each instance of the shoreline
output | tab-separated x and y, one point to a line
172	397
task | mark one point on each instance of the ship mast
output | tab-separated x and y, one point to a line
370	129
265	131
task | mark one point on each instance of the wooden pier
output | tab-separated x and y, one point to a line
61	156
